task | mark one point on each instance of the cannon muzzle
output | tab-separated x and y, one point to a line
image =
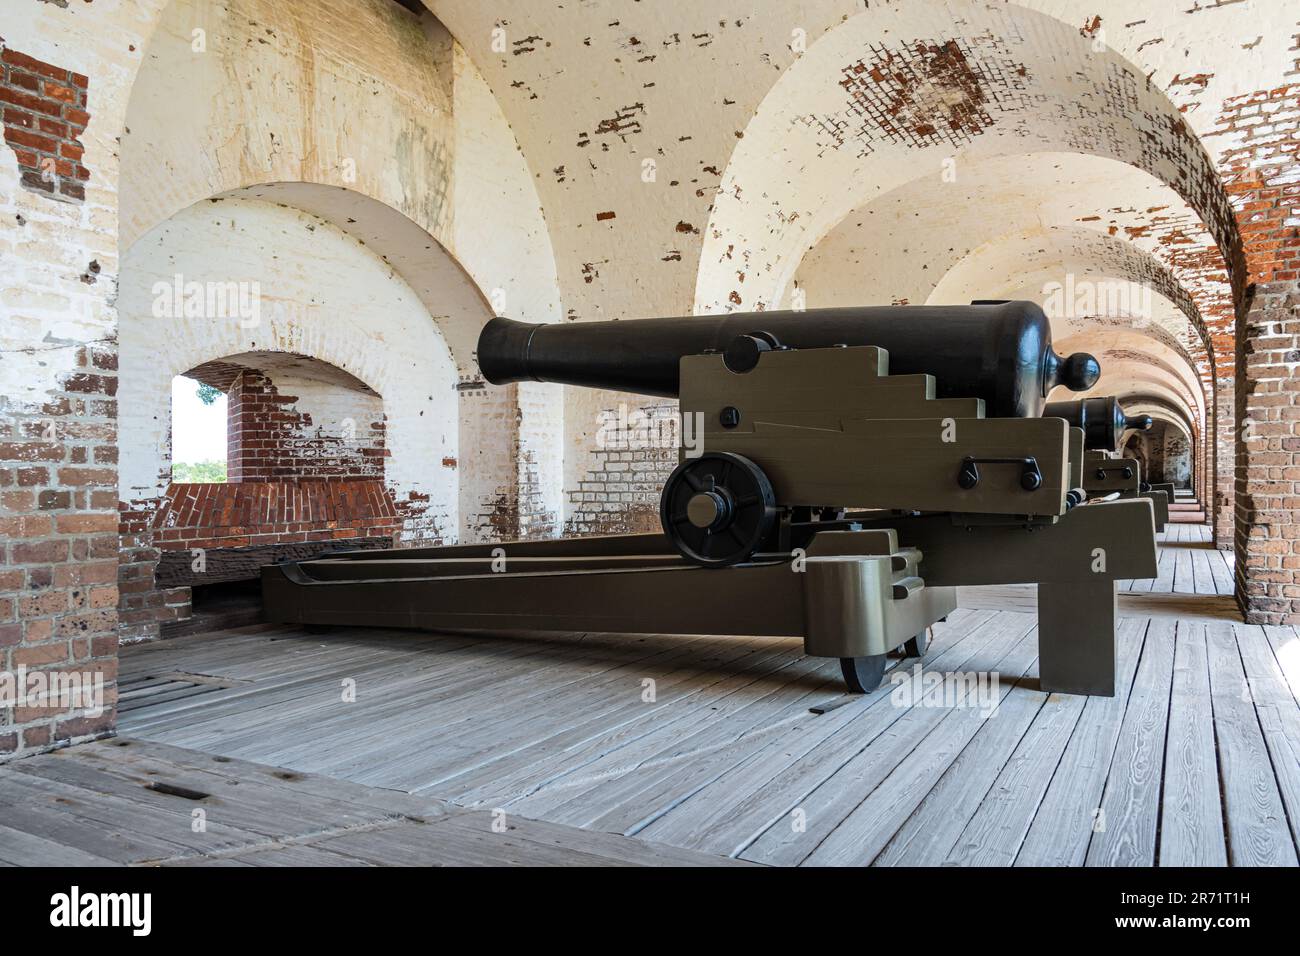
1000	352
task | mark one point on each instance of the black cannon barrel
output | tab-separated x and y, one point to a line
1102	419
1000	352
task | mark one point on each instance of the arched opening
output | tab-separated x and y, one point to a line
418	176
293	417
338	381
304	450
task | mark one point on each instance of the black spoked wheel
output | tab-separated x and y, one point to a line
863	674
917	646
717	509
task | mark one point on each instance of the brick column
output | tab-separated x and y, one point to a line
58	549
1268	450
1262	175
1220	503
58	411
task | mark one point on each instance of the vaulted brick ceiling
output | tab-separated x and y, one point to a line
689	155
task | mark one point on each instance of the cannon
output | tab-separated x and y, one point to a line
795	408
998	352
1102	419
851	468
1103	422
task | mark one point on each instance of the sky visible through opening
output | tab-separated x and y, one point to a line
198	430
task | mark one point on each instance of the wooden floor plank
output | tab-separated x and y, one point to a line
725	819
996	831
1220	570
824	808
1062	824
724	763
928	835
1191	814
613	794
1285	642
277	855
1258	834
860	837
1125	834
1163	582
1278	716
96	805
681	698
1202	576
1184	577
733	667
18	848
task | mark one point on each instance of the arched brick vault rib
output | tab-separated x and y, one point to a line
1164	414
201	123
898	246
1151	343
858	115
1093	261
1124	384
685	87
1031	261
1027	263
677	83
1160	411
1039	263
455	303
435	147
1123	371
1123	376
1146	403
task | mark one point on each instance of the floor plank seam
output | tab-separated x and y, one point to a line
1220	777
560	782
606	731
826	778
717	767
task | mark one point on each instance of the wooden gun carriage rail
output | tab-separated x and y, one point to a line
638	584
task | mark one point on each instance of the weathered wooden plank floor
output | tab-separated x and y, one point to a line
134	802
1189	564
731	748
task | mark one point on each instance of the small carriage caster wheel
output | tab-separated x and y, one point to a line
917	646
863	674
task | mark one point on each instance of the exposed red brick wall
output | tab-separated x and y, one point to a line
290	481
44	110
140	606
213	515
620	494
269	439
1262	174
58	546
